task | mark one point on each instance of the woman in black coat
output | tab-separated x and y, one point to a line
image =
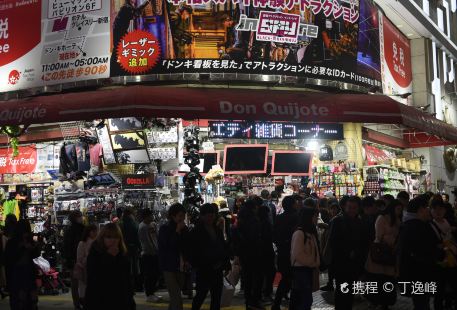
20	270
108	272
210	257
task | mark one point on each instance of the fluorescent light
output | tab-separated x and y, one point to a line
399	26
312	145
410	34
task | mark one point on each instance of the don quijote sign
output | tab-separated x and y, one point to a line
22	115
291	110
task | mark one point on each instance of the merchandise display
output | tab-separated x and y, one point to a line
382	180
341	179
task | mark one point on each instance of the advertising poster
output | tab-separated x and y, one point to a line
46	42
25	162
396	59
48	157
317	39
68	41
368	53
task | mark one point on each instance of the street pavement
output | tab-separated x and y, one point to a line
322	301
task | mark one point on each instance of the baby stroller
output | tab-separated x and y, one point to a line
48	280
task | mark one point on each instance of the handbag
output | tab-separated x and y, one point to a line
383	254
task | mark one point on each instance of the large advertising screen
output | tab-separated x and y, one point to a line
69	41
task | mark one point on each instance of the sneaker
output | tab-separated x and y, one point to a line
267	300
158	298
154	298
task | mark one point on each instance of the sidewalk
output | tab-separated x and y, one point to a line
322	301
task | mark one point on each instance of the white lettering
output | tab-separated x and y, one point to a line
225	107
294	110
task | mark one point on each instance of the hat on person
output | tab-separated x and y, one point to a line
329	194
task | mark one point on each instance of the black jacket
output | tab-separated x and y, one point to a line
347	241
208	253
19	267
418	251
266	235
284	228
108	281
249	236
130	233
171	247
71	237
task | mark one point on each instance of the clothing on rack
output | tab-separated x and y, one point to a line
11	206
82	156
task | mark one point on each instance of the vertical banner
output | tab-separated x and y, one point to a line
396	69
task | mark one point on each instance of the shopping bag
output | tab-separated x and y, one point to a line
228	290
42	263
234	275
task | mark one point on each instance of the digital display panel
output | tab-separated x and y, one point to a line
291	163
245	159
274	130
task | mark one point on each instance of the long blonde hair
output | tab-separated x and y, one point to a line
110	230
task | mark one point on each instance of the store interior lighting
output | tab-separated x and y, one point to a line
312	145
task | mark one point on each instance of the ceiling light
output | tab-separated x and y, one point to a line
410	34
399	26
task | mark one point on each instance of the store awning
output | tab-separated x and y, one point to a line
222	103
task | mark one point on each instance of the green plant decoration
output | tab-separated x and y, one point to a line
13	133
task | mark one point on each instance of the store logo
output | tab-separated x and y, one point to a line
13	77
290	110
2	161
277	27
132	181
22	114
139	181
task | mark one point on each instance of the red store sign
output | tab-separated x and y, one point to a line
25	162
138	181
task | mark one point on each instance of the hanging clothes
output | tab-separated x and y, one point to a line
82	156
11	207
68	159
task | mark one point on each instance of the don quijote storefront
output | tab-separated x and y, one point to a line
120	112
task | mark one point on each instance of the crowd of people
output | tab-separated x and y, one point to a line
250	240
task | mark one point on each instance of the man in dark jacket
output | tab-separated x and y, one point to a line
71	237
265	195
170	239
347	244
368	217
129	228
283	230
210	257
249	251
418	251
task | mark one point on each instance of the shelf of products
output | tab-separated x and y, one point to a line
382	180
340	179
